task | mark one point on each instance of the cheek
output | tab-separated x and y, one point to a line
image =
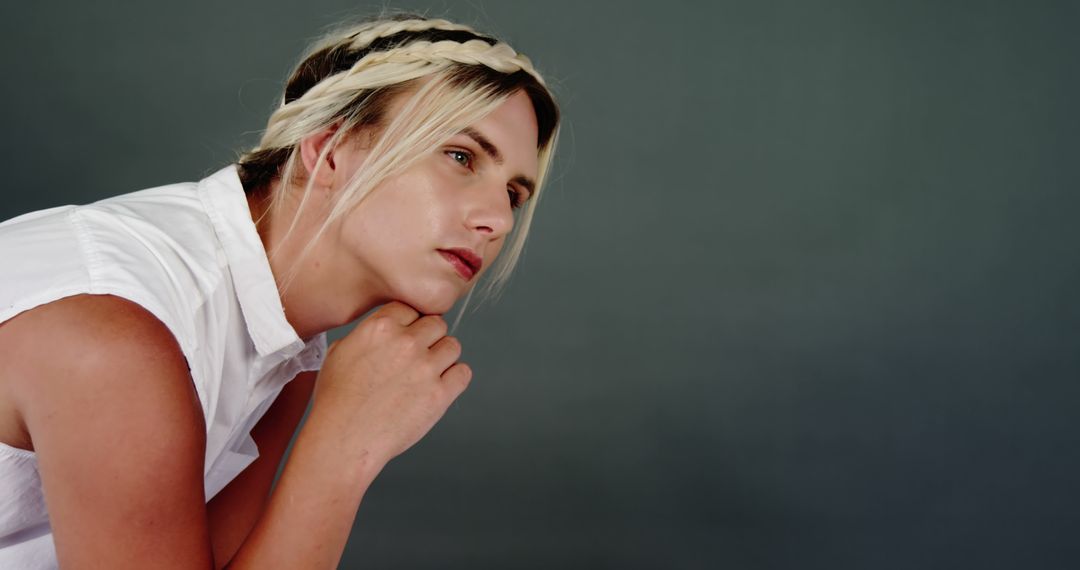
372	232
493	252
416	204
395	213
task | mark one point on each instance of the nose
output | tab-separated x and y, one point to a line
489	212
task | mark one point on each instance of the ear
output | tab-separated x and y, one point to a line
311	147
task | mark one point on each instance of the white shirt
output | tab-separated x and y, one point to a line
190	255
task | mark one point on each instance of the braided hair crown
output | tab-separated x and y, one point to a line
350	65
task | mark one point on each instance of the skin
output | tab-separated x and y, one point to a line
117	407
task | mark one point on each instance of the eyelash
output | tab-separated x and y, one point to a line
515	197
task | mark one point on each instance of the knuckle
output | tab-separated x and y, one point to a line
449	350
432	324
381	324
440	325
465	373
404	309
394	306
438	319
410	342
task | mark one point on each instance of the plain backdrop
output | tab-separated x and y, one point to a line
802	292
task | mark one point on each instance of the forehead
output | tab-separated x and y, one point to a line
512	128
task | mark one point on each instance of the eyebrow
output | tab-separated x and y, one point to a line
492	151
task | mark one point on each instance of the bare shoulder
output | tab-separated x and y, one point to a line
104	393
100	347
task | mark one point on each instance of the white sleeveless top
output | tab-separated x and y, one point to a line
190	254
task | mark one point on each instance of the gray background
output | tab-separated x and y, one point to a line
802	294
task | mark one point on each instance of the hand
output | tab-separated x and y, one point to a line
390	380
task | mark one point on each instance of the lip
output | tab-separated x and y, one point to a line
464	260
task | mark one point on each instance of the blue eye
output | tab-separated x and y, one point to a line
515	198
461	157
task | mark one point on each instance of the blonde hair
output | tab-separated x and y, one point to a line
347	80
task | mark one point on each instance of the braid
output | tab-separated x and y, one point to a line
364	37
379	69
347	70
416	59
342	53
500	57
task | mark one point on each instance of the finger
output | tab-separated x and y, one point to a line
429	329
398	312
457	378
445	352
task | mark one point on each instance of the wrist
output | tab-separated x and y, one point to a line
342	444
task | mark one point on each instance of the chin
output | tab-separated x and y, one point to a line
431	306
436	300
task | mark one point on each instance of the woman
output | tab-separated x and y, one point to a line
159	348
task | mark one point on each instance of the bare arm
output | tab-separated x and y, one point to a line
381	389
233	511
119	434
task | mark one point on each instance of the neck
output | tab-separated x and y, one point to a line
316	293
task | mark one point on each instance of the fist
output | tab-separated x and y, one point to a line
390	379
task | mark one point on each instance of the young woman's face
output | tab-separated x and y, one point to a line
426	236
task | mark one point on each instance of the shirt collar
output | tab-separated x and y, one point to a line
226	203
